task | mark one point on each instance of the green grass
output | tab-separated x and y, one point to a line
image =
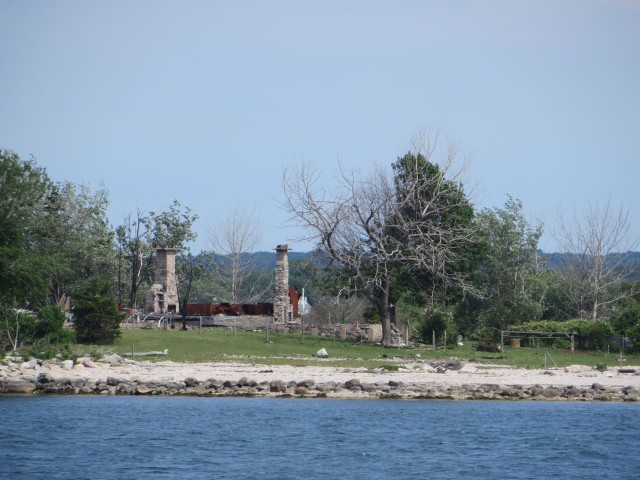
215	345
221	345
533	358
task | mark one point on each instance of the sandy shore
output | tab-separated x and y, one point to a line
414	380
470	373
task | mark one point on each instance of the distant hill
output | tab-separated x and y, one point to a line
266	260
554	261
559	261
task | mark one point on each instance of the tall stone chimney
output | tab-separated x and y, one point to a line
163	295
281	304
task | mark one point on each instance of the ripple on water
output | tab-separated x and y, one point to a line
177	437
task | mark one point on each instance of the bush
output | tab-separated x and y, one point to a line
590	334
43	349
626	318
438	321
50	326
633	334
16	328
601	366
96	316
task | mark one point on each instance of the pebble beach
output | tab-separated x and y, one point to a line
455	380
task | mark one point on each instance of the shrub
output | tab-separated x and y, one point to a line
626	318
50	326
16	328
438	321
633	334
601	366
96	316
591	334
43	349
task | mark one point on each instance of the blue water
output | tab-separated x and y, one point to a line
57	437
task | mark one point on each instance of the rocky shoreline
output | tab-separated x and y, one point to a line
116	376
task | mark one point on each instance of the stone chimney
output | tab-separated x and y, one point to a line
281	305
163	295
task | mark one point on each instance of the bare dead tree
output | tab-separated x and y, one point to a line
189	270
373	224
235	238
14	328
333	310
134	247
599	243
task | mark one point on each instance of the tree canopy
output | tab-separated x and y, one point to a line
413	218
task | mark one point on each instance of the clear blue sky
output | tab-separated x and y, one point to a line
208	101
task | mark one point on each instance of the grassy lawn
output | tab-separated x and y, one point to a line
221	345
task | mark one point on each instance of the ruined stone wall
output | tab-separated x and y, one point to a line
281	304
163	295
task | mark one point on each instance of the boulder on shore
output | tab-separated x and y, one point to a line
16	385
322	353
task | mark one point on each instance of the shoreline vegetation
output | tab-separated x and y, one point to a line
225	362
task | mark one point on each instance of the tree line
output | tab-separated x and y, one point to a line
398	243
409	238
59	255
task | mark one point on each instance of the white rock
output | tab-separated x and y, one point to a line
78	366
322	353
112	359
67	364
468	368
578	369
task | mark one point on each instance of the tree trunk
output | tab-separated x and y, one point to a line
382	304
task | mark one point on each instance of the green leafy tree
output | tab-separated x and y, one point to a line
96	315
625	320
76	238
436	323
172	228
53	237
511	278
137	239
23	189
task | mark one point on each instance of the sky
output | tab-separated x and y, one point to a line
208	102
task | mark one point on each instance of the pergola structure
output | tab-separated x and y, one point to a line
520	334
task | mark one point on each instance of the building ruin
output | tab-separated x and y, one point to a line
162	297
282	310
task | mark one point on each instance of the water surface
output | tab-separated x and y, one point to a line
59	437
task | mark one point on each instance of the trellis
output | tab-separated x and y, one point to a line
520	334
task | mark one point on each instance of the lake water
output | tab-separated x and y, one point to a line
58	437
